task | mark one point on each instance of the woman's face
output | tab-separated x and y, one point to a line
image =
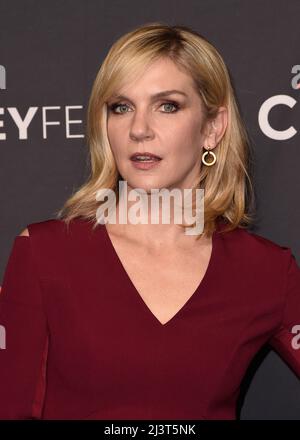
167	126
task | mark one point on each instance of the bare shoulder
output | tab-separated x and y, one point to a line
25	232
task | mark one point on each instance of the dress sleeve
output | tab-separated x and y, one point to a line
286	339
23	336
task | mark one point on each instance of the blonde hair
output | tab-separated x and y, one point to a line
227	184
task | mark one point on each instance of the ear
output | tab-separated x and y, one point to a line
215	129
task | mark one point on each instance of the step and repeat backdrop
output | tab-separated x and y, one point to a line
50	52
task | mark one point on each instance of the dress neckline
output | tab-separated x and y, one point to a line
208	275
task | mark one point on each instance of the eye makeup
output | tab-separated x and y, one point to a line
113	106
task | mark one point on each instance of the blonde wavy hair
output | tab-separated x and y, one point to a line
227	184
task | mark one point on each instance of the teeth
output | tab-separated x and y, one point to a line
145	158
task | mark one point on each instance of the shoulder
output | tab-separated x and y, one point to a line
45	237
256	247
258	263
244	244
52	234
258	240
45	227
42	225
48	229
48	244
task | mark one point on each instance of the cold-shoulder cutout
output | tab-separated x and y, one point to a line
25	233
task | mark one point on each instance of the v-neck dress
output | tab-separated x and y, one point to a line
77	341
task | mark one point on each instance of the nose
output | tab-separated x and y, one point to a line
140	127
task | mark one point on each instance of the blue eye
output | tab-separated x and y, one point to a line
174	104
116	105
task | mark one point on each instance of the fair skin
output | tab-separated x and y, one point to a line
177	261
165	265
174	136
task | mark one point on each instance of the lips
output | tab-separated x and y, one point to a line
144	156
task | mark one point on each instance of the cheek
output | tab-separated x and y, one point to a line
187	128
185	141
115	138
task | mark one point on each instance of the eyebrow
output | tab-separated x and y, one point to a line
156	95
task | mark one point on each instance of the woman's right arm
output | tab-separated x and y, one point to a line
23	335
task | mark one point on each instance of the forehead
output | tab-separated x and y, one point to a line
159	75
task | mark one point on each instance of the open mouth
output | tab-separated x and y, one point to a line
145	156
145	159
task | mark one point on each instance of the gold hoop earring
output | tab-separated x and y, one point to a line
209	153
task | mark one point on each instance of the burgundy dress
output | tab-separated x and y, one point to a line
79	342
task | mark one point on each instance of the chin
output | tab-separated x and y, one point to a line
140	184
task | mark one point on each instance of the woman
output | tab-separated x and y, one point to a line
145	321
